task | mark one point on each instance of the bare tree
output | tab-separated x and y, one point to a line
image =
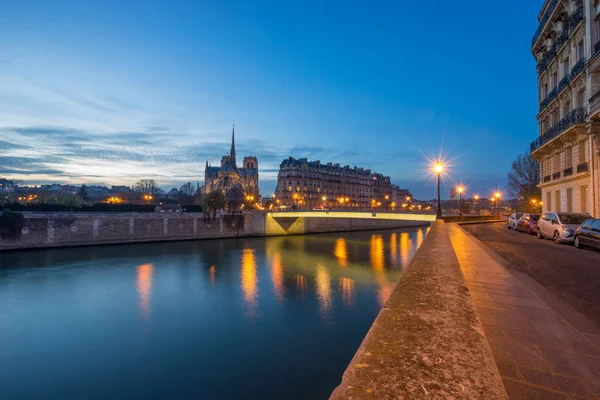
524	178
147	186
187	189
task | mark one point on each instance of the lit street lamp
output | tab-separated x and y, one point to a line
460	191
438	168
497	196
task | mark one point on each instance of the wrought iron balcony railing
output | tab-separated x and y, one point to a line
564	82
547	178
556	176
583	167
597	47
546	60
551	96
576	116
543	21
576	17
568	172
577	68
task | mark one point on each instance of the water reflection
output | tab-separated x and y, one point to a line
273	300
405	248
212	272
249	279
341	252
277	277
323	280
144	287
300	283
347	289
394	249
419	237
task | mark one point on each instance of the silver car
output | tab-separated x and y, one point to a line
559	227
513	220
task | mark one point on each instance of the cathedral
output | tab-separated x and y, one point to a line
229	174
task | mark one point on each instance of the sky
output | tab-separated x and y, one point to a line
110	92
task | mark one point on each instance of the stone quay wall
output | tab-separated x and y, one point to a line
80	229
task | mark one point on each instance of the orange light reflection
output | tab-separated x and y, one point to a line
277	277
249	278
144	287
347	289
323	280
341	252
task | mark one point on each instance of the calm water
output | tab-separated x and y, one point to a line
230	319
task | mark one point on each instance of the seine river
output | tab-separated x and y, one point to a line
275	318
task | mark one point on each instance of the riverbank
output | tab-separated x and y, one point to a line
46	230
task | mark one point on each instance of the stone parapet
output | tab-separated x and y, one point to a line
427	341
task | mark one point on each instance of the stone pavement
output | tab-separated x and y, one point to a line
543	348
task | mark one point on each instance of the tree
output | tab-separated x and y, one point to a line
147	186
235	198
187	189
214	200
524	178
83	193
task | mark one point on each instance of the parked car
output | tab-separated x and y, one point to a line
559	227
588	234
512	220
528	223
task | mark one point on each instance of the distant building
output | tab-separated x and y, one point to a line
311	184
229	174
7	186
120	189
567	50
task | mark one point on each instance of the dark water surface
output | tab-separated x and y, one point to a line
275	318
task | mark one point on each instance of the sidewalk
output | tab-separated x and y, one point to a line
543	348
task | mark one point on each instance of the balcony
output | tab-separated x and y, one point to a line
576	18
568	172
543	21
564	82
546	60
551	96
555	176
577	68
547	178
583	167
577	116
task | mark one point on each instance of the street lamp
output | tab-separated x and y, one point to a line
497	196
438	168
460	191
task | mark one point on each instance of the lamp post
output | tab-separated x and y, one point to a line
497	196
476	198
460	191
438	168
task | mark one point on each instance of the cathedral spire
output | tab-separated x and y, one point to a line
232	152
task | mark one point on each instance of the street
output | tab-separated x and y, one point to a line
571	274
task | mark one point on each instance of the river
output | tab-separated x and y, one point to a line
256	318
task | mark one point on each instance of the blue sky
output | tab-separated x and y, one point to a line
113	91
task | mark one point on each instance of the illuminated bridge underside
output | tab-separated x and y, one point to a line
297	223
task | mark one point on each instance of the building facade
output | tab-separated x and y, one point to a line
566	46
229	174
307	184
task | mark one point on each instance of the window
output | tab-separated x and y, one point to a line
584	197
566	68
570	200
548	201
596	225
557	203
587	224
568	157
580	54
557	162
555	80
